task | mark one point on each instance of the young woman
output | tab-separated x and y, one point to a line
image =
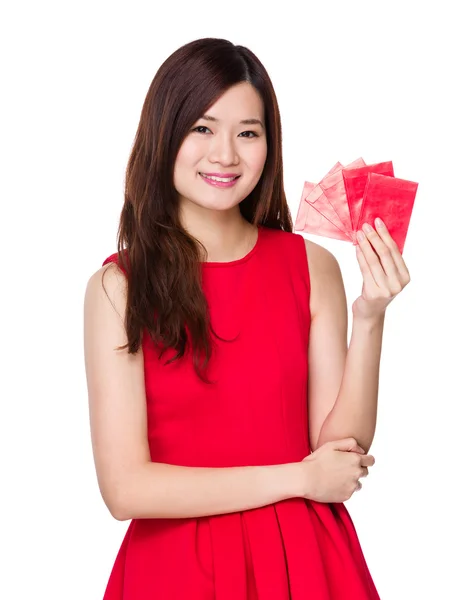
229	420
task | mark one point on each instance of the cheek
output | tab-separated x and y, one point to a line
189	153
257	157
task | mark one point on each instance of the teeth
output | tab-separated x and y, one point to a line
225	179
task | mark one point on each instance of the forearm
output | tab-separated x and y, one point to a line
354	413
159	490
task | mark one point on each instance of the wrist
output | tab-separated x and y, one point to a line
368	323
298	479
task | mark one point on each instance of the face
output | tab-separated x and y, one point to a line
222	145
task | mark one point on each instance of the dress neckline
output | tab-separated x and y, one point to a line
238	261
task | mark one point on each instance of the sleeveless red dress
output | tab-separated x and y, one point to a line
255	414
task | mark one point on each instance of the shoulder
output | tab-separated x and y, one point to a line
320	259
106	287
120	259
326	282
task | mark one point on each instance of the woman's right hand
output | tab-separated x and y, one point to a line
332	472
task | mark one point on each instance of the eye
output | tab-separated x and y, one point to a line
200	127
254	134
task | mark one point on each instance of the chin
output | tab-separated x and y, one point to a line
216	203
218	206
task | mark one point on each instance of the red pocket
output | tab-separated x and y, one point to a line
355	181
333	187
325	208
392	200
312	221
303	207
318	224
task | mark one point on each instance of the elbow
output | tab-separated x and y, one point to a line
115	508
115	503
120	506
118	511
120	516
123	495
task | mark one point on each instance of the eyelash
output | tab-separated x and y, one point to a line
204	127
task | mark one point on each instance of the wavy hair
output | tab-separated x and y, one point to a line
161	259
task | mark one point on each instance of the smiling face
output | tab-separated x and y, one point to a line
220	143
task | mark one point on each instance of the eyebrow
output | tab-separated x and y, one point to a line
243	122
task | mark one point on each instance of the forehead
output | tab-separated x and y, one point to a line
241	101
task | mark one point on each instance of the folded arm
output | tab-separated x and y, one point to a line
343	381
132	486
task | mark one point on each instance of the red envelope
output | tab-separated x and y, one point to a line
312	221
317	194
318	201
355	181
307	188
302	208
323	206
318	224
392	200
333	187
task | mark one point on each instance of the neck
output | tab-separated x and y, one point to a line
225	237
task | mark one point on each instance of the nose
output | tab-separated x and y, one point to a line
223	150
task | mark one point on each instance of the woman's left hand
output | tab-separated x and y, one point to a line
383	269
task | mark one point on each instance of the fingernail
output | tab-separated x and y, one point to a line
367	227
379	222
360	236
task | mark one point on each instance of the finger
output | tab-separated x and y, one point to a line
364	267
365	253
311	456
357	449
371	246
382	250
346	445
365	472
367	461
383	232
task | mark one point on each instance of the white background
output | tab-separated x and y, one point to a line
381	80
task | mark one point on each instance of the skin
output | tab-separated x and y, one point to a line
212	214
343	382
384	272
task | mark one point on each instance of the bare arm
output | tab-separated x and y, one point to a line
169	491
328	338
355	410
132	486
344	388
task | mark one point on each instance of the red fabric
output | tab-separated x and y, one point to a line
255	414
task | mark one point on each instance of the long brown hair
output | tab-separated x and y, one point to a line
161	259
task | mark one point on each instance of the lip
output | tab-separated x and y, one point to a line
220	174
220	184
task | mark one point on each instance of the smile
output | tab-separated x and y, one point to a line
225	179
221	182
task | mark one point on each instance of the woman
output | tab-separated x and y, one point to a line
229	421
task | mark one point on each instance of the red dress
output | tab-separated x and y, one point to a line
255	414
